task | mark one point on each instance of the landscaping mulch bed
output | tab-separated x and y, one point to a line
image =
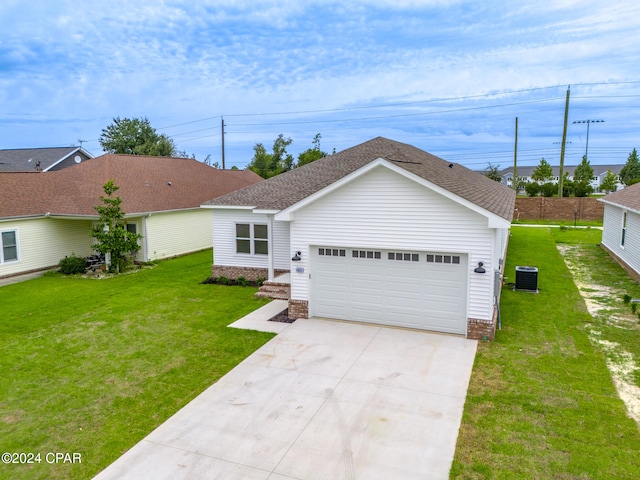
282	317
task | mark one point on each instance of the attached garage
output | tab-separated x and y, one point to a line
424	290
380	233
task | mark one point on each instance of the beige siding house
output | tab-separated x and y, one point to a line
380	233
47	215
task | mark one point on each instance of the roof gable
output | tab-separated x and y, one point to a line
147	184
36	159
289	188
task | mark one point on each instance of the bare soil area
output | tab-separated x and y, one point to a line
603	303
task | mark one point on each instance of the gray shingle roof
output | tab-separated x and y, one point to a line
32	159
628	197
286	189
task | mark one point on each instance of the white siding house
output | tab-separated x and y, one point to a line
621	227
394	236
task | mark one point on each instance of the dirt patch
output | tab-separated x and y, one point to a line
620	363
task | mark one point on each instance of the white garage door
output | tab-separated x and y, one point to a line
425	290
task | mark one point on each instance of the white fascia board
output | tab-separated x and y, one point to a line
613	204
228	207
61	160
265	211
494	221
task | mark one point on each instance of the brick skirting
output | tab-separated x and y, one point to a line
478	329
250	273
298	309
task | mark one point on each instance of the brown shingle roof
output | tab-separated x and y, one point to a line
284	190
147	184
628	197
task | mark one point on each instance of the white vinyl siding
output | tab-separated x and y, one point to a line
177	233
384	210
224	239
43	242
613	230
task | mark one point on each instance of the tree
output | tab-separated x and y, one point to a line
269	165
543	171
582	177
630	173
311	154
548	189
532	188
493	172
609	182
112	237
136	137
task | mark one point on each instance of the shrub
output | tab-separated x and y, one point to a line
548	189
626	298
242	281
221	280
532	189
73	264
260	281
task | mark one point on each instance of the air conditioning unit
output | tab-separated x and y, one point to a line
527	279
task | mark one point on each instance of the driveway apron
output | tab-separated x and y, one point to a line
322	400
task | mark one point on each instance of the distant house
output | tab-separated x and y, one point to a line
47	216
382	232
41	159
525	174
621	227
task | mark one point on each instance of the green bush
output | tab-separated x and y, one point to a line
242	281
221	280
73	264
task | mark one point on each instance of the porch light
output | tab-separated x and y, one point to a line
480	268
296	257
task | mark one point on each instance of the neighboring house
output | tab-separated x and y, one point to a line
41	159
381	232
621	227
47	216
599	172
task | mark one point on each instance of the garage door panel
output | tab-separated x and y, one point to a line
407	289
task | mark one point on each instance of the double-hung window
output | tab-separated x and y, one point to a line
252	238
9	244
624	228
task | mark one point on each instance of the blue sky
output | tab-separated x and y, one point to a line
449	77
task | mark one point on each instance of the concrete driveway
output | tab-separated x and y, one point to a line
322	400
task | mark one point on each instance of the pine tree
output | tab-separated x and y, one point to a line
630	173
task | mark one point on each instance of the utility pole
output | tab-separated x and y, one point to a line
588	122
515	161
564	142
222	125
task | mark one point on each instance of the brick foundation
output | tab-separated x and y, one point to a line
298	309
480	329
250	273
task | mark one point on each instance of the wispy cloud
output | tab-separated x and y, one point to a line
73	66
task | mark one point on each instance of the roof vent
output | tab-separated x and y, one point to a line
169	183
451	165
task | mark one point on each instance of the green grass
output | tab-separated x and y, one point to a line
541	402
92	366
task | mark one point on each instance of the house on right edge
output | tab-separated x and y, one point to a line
382	232
621	228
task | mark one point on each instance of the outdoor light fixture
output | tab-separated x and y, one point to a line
480	268
296	257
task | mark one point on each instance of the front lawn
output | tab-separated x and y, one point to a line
541	401
92	366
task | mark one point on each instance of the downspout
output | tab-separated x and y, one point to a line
145	246
271	273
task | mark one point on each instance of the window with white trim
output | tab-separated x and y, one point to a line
252	238
332	252
366	254
624	228
9	246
